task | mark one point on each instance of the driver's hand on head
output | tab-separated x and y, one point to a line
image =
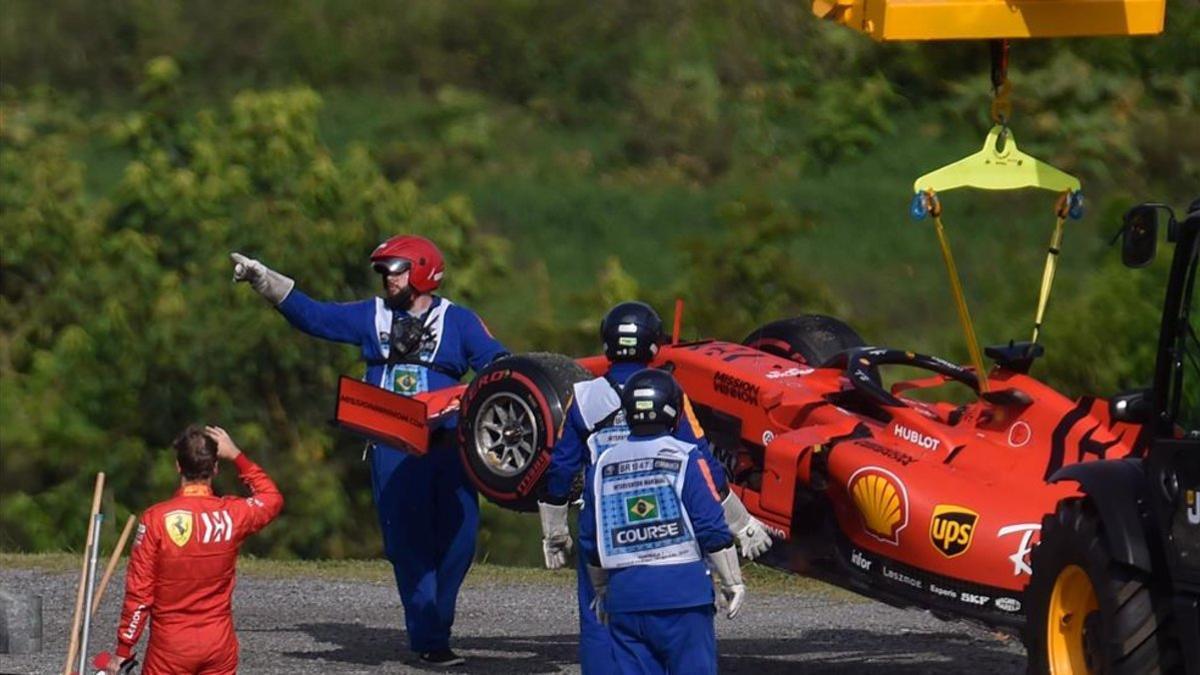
226	448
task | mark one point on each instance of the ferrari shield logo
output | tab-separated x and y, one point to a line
179	527
643	507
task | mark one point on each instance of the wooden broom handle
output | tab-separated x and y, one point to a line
73	649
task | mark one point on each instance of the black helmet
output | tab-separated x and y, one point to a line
631	331
652	401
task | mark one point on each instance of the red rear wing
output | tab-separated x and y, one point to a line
382	415
404	421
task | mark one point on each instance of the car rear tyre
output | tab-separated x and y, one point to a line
810	339
511	415
1087	613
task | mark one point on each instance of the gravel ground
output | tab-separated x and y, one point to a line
526	623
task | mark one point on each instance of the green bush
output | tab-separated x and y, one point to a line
1114	127
121	325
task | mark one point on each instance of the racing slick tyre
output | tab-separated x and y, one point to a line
1087	613
511	415
809	339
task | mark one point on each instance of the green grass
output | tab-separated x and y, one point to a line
759	579
380	571
41	562
568	200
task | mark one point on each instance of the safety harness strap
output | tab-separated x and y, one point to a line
960	301
1048	274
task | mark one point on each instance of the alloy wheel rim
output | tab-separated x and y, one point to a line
505	430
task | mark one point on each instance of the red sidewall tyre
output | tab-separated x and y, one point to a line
512	413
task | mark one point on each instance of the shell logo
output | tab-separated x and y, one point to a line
882	502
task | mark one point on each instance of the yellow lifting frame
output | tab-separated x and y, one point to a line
999	165
901	20
993	168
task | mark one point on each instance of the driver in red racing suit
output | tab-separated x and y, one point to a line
181	570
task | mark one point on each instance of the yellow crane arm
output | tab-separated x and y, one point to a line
900	20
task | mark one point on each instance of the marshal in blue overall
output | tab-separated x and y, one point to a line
412	341
652	517
632	333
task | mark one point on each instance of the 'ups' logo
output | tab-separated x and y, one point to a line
952	529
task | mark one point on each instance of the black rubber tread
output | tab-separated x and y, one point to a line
1134	622
563	371
813	339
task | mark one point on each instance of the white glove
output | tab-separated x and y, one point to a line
556	536
599	579
751	534
729	573
270	284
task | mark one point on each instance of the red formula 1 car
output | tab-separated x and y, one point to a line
891	493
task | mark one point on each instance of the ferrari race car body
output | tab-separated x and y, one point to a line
911	502
907	501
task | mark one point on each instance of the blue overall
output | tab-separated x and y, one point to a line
428	510
651	514
592	427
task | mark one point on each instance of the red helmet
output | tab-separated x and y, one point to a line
418	254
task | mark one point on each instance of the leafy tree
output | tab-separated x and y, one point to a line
749	275
121	325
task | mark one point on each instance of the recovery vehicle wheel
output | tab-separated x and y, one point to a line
1087	613
511	416
810	339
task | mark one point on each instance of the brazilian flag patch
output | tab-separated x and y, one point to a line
641	507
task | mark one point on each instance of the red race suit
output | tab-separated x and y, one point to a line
181	574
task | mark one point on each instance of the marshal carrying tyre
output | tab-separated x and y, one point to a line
1087	613
511	415
810	339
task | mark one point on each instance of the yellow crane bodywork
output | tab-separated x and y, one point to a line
900	20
